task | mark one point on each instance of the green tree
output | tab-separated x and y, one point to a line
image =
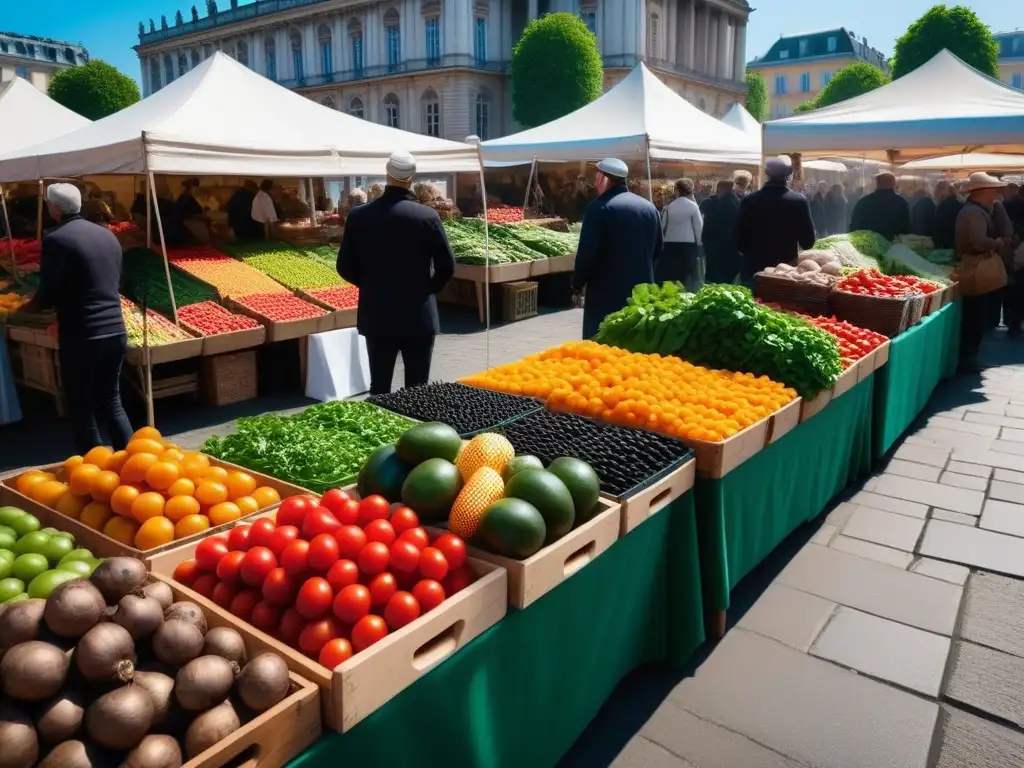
852	80
542	92
807	106
94	90
757	95
959	29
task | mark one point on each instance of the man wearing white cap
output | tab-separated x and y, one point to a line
396	251
80	276
620	239
773	224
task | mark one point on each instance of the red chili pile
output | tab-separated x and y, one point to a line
331	577
208	319
854	342
871	282
280	307
341	297
504	214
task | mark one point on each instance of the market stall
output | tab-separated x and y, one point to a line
965	163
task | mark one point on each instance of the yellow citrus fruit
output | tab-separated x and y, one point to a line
210	492
82	477
122	498
147	505
178	507
161	475
190	524
182	487
99	456
135	468
247	505
95	515
71	505
148	433
48	492
144	445
121	529
104	485
216	473
266	496
225	512
155	532
71	462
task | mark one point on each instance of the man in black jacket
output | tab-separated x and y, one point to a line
79	276
719	235
396	251
773	224
883	211
922	212
946	210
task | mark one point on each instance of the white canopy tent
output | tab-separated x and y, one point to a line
942	107
29	116
966	163
739	118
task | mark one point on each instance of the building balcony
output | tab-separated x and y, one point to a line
409	67
225	17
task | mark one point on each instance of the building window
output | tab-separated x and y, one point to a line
20	47
431	113
1017	80
483	114
51	53
832	42
297	65
652	36
328	102
182	64
589	17
391	110
780	84
433	27
802	48
805	82
154	76
784	53
168	69
355	33
271	59
195	58
243	53
826	78
480	40
21	72
355	108
393	38
702	104
207	50
3	46
69	56
326	49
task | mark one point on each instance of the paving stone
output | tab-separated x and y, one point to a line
894	557
824	534
1009	476
642	753
875	588
936	569
936	457
992	407
1004	491
788	615
994	418
1013	435
1008	446
973	547
896	653
954	517
1004	517
970	427
910	469
952	439
885	528
871	482
935	495
808	709
889	504
841	514
987	679
706	744
993	612
989	458
963	481
1017	411
972	741
963	468
924	442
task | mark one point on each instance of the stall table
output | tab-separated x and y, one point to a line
521	693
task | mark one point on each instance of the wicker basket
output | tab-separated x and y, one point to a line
519	300
229	378
806	297
918	302
888	316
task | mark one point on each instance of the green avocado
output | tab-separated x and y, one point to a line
431	489
519	463
432	440
583	484
549	495
383	473
511	528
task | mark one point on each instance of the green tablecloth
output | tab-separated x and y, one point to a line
918	360
742	517
521	693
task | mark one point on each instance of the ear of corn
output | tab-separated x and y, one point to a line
483	489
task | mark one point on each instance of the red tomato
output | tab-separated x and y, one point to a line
282	536
223	594
348	512
452	547
352	603
261	533
402	608
335	652
456	581
243	603
367	631
403	518
373	558
290	626
258	562
333	500
229	567
209	552
405	556
295	558
265	616
186	572
429	594
374	508
342	574
380	530
316	634
314	598
382	587
417	536
318	521
238	538
293	510
433	564
205	584
351	541
323	552
279	588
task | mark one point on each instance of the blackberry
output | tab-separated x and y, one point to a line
465	409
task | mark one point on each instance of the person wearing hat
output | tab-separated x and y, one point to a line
773	224
395	251
620	239
884	211
79	277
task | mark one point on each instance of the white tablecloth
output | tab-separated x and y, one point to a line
337	365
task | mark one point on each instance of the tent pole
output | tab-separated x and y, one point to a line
529	185
39	212
149	214
10	237
312	205
650	184
487	267
163	246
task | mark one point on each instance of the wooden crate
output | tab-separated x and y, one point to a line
230	378
784	420
339	318
716	460
933	301
562	263
866	365
882	354
291	329
274	737
498	273
889	316
222	343
36	367
166	353
540	267
814	406
644	505
846	381
519	300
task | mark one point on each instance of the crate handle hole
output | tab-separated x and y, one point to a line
579	558
247	758
659	501
440	646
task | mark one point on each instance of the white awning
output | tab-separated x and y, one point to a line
975	161
28	116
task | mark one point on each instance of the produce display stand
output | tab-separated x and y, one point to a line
165	353
917	361
340	318
655	495
220	343
289	329
36	364
717	459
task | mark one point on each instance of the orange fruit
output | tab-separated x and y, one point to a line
148	433
210	492
240	484
104	485
47	492
161	475
121	529
135	468
25	481
216	473
122	498
193	466
247	504
182	487
155	532
175	455
95	515
225	512
71	505
82	477
265	496
190	524
147	505
99	456
178	507
71	462
117	461
144	445
199	458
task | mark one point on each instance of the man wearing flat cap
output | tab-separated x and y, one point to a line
396	251
773	224
620	239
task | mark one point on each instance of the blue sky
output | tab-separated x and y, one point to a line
109	29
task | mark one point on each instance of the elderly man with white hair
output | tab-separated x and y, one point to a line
79	276
396	251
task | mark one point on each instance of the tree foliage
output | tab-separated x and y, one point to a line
852	80
807	106
959	29
542	91
757	95
195	14
211	7
163	22
178	19
93	90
